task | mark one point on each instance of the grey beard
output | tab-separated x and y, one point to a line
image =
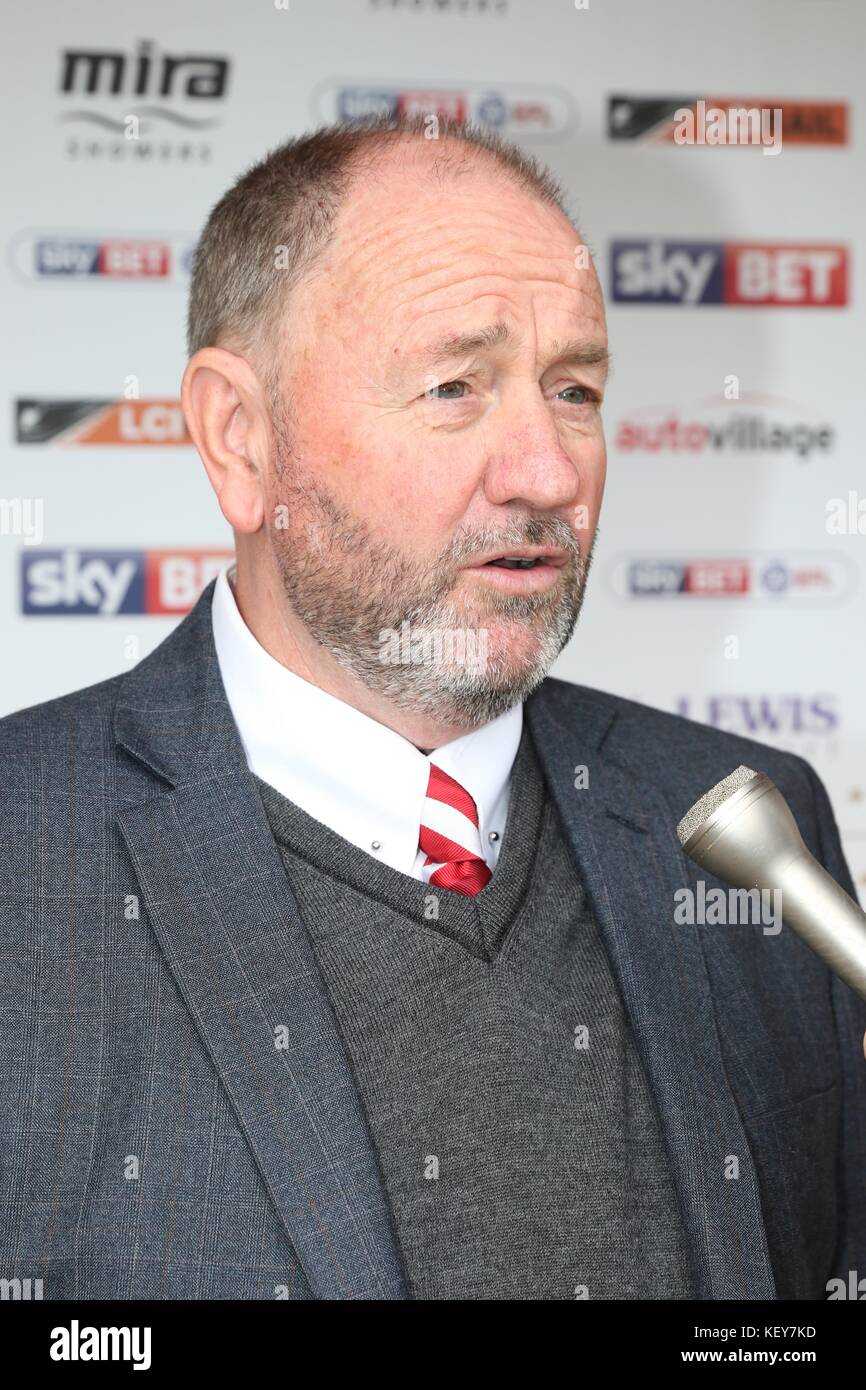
349	589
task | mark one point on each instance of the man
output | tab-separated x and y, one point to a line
342	957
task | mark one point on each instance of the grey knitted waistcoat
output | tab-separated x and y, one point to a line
516	1132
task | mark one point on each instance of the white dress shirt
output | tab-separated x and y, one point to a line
346	770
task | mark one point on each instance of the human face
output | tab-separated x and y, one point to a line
445	387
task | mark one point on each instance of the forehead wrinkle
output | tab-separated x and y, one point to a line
420	262
501	252
432	257
505	286
408	326
446	245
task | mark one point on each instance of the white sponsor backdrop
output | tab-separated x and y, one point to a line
97	228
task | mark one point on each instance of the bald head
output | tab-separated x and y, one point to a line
268	233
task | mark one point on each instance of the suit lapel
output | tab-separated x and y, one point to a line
222	909
623	837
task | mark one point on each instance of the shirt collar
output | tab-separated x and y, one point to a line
346	770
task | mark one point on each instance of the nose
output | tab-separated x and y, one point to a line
527	460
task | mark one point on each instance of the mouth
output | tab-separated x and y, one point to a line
526	558
524	570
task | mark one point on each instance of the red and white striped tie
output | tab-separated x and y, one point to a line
449	837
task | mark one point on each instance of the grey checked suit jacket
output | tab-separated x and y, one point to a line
156	1142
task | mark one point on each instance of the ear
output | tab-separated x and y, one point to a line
225	412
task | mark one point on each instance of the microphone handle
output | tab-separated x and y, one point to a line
825	917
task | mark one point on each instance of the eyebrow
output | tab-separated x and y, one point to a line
582	352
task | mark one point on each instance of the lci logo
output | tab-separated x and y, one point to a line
741	273
802	578
62	422
105	583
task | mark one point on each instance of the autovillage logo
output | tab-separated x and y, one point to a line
105	583
141	104
765	121
755	424
94	258
806	724
750	274
768	577
512	110
129	422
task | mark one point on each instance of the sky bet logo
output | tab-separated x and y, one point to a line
104	583
714	272
539	111
761	577
90	258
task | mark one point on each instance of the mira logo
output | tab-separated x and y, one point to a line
118	101
105	583
742	273
103	72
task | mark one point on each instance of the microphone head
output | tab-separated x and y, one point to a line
743	832
693	821
740	828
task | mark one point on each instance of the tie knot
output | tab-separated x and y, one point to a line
449	837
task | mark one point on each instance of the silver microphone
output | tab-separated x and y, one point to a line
742	830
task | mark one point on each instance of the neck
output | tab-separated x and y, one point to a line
290	643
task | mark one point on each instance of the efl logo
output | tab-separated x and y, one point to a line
71	422
105	583
741	273
94	259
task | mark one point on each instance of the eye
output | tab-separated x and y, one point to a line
445	386
584	391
